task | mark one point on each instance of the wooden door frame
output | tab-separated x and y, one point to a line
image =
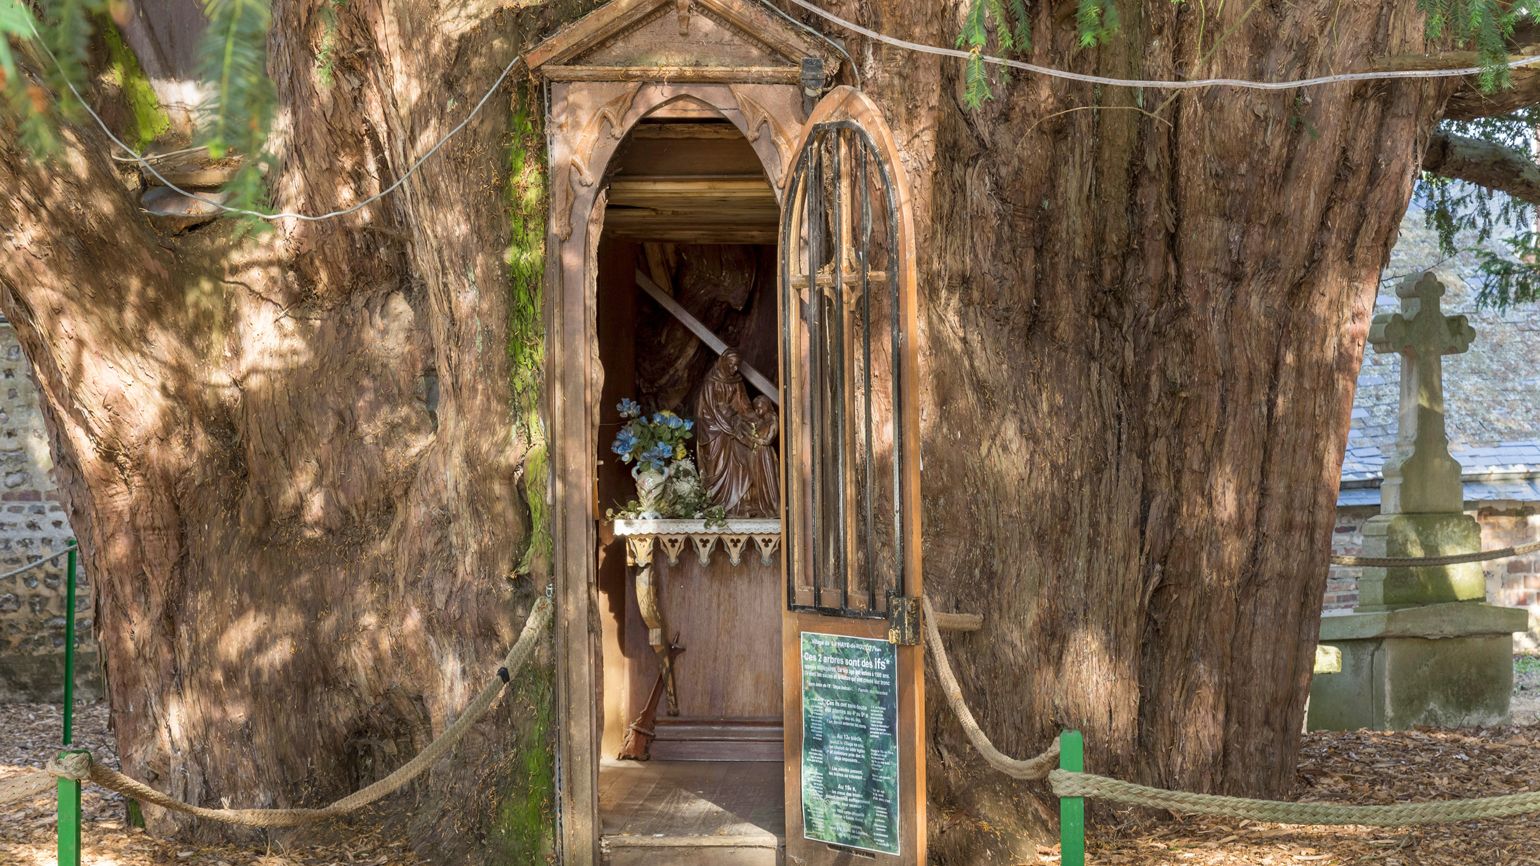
586	123
846	102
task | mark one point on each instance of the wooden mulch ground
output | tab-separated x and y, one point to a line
1367	767
31	732
1351	767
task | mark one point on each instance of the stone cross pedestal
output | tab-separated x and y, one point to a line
1422	647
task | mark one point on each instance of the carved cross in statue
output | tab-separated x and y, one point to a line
1421	477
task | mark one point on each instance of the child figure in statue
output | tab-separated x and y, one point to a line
735	442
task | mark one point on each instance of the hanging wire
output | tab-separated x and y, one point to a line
1193	84
163	155
820	35
136	157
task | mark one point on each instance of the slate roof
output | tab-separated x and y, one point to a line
1507	472
1491	392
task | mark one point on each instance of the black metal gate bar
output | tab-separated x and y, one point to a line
839	415
895	305
869	464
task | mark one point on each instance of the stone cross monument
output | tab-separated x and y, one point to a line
1421	477
1422	647
1422	502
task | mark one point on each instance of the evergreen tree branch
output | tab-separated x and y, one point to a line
1470	102
1483	163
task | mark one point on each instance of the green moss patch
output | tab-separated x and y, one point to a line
525	258
525	829
150	121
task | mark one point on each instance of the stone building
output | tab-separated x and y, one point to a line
32	526
1492	403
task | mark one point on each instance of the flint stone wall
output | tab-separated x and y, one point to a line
33	525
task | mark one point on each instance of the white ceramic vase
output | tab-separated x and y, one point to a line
651	485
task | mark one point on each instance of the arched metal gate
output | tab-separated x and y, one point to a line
850	458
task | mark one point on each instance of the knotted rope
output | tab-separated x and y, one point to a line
1031	768
24	785
1429	561
78	765
1068	784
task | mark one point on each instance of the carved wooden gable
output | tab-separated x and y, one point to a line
678	41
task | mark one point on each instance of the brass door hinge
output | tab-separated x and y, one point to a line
903	620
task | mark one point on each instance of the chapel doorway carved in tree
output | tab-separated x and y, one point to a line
630	72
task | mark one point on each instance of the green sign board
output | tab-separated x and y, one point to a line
850	741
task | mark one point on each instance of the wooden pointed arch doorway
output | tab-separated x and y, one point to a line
853	672
666	68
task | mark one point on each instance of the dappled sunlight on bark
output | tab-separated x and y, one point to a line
291	456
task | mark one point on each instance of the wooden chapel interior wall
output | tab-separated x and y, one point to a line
617	598
727	615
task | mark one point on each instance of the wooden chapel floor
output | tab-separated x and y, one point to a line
691	798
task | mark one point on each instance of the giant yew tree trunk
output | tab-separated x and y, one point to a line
296	463
1144	317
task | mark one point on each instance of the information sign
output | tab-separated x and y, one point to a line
850	741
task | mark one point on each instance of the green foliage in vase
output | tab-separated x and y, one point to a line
656	444
685	499
687	496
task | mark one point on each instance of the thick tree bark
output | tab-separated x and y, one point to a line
295	462
1142	316
1470	102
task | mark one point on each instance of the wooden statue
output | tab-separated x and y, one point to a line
736	443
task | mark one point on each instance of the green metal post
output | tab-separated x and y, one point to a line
1072	809
69	822
69	645
69	789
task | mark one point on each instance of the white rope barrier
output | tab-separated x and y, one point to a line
1156	84
35	563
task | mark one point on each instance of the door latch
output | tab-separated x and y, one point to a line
903	619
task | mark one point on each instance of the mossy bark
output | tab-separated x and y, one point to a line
148	120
